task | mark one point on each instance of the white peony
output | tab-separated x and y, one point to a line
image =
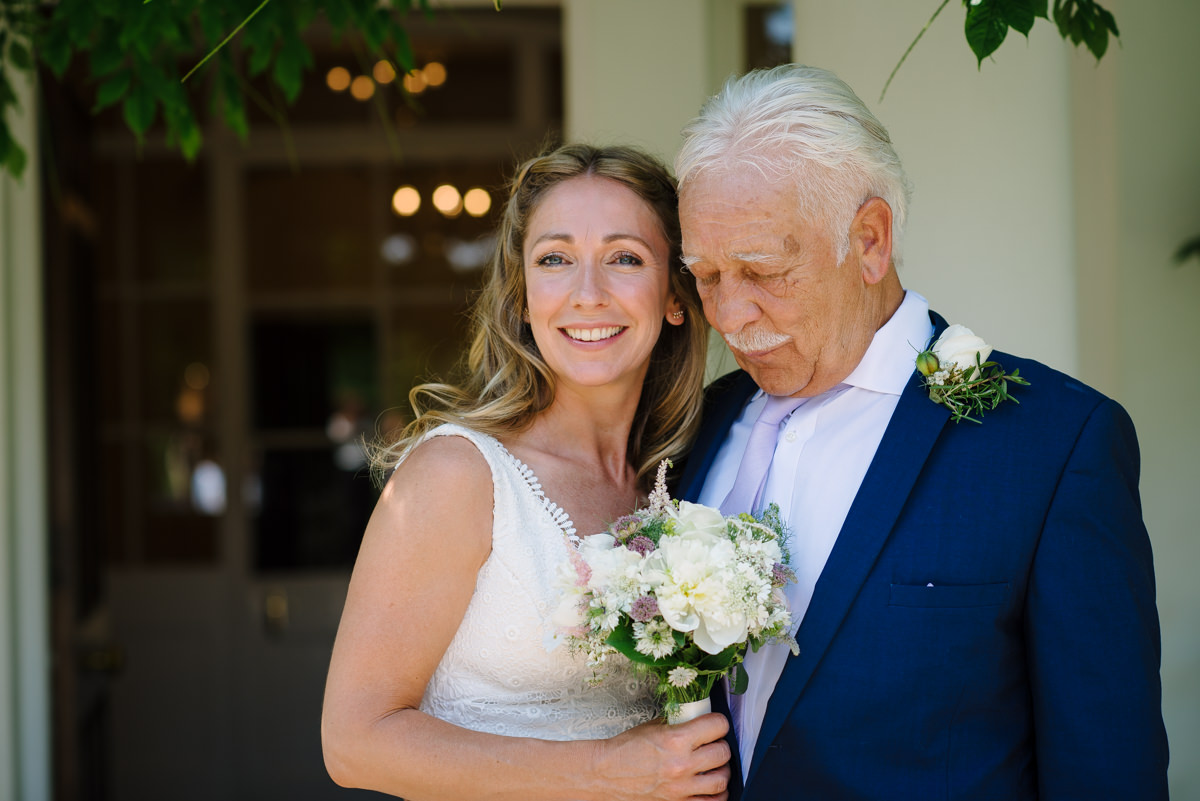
691	575
958	346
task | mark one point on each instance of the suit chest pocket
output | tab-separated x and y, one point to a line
948	596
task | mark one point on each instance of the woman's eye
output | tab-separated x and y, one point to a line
628	258
551	260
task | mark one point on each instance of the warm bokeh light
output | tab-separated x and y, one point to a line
406	201
477	201
384	72
414	82
338	79
362	87
195	375
435	73
447	200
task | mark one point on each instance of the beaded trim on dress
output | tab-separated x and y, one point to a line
557	513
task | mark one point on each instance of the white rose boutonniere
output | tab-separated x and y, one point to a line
959	376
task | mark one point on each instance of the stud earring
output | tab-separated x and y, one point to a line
677	315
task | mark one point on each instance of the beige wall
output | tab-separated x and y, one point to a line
24	579
1154	205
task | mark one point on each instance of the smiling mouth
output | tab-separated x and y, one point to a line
593	334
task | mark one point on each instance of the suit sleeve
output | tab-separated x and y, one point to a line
1092	628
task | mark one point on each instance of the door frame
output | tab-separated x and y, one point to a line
25	762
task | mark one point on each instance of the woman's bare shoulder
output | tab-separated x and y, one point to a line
443	482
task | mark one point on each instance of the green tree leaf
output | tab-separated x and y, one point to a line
183	130
18	54
139	109
1107	18
111	91
985	29
55	50
7	96
289	67
404	51
12	155
1019	14
107	55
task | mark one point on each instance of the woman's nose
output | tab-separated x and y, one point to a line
590	288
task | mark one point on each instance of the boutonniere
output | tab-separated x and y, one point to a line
959	376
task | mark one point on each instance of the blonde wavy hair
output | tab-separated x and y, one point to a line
506	383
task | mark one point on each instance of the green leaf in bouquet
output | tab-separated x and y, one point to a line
718	663
741	680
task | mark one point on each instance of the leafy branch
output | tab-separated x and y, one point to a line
989	21
133	55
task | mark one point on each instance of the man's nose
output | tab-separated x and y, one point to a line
730	308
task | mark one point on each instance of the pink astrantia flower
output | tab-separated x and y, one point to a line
644	609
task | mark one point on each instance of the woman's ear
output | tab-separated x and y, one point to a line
674	310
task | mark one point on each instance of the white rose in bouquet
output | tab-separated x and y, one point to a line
694	517
957	347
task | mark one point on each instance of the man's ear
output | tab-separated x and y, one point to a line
871	239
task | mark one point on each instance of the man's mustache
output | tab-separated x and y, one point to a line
755	340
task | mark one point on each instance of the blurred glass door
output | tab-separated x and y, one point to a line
248	319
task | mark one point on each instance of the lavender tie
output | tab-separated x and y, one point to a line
760	449
751	477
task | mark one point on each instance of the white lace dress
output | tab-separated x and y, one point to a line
505	672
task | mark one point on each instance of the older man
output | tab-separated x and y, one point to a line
975	603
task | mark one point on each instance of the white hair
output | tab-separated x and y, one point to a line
804	124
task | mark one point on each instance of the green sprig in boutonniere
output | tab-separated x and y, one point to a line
959	376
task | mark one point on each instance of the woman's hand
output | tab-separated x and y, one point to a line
660	762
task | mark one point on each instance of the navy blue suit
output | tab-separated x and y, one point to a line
1030	669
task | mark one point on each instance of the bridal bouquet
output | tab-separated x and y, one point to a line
682	591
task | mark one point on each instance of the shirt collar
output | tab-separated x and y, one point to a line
890	359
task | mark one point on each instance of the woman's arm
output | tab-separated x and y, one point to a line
412	582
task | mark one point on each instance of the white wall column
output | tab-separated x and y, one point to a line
24	593
637	72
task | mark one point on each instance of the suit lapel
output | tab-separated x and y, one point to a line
906	444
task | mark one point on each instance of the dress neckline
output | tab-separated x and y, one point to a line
556	512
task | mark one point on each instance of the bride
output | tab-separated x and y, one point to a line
446	680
